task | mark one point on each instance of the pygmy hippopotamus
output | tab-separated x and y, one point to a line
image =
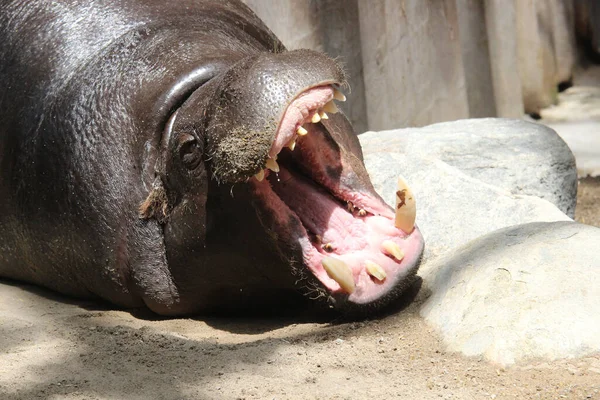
175	155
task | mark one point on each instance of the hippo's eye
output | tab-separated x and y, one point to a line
189	151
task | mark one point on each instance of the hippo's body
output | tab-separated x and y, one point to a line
134	137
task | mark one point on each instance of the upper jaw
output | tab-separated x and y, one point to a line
347	237
248	104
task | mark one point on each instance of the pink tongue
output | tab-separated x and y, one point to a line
320	213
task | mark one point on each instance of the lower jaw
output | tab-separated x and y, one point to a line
368	290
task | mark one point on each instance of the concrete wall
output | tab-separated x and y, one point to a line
413	68
416	62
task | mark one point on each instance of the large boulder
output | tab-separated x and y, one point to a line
520	157
524	292
452	207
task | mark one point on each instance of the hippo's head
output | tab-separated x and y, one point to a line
262	190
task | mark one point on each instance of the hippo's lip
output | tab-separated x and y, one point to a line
302	191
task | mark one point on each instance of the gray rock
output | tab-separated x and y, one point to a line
521	157
530	291
452	207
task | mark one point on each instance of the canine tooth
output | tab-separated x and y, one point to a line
272	165
406	207
362	213
260	175
338	95
339	272
315	118
392	249
301	131
350	206
291	144
375	270
330	107
324	115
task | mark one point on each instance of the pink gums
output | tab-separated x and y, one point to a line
353	239
325	226
297	112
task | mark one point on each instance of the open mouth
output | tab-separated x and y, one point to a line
351	240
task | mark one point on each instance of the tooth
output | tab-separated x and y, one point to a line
375	270
362	213
315	118
272	165
406	207
339	272
392	249
301	131
338	95
260	175
330	107
350	206
328	247
291	144
324	115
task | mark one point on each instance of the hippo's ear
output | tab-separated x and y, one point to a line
156	204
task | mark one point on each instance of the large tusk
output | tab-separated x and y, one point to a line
340	272
406	207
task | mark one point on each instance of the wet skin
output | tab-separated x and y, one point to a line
134	147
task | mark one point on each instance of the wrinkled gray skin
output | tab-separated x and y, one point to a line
129	130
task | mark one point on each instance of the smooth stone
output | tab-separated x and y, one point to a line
524	292
452	207
521	157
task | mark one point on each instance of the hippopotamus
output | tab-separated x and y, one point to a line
174	156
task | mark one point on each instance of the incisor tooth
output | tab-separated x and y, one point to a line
330	107
392	249
272	165
260	175
324	115
328	247
301	131
338	95
375	270
406	207
315	118
339	272
291	144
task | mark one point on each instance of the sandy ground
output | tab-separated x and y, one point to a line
588	201
55	349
